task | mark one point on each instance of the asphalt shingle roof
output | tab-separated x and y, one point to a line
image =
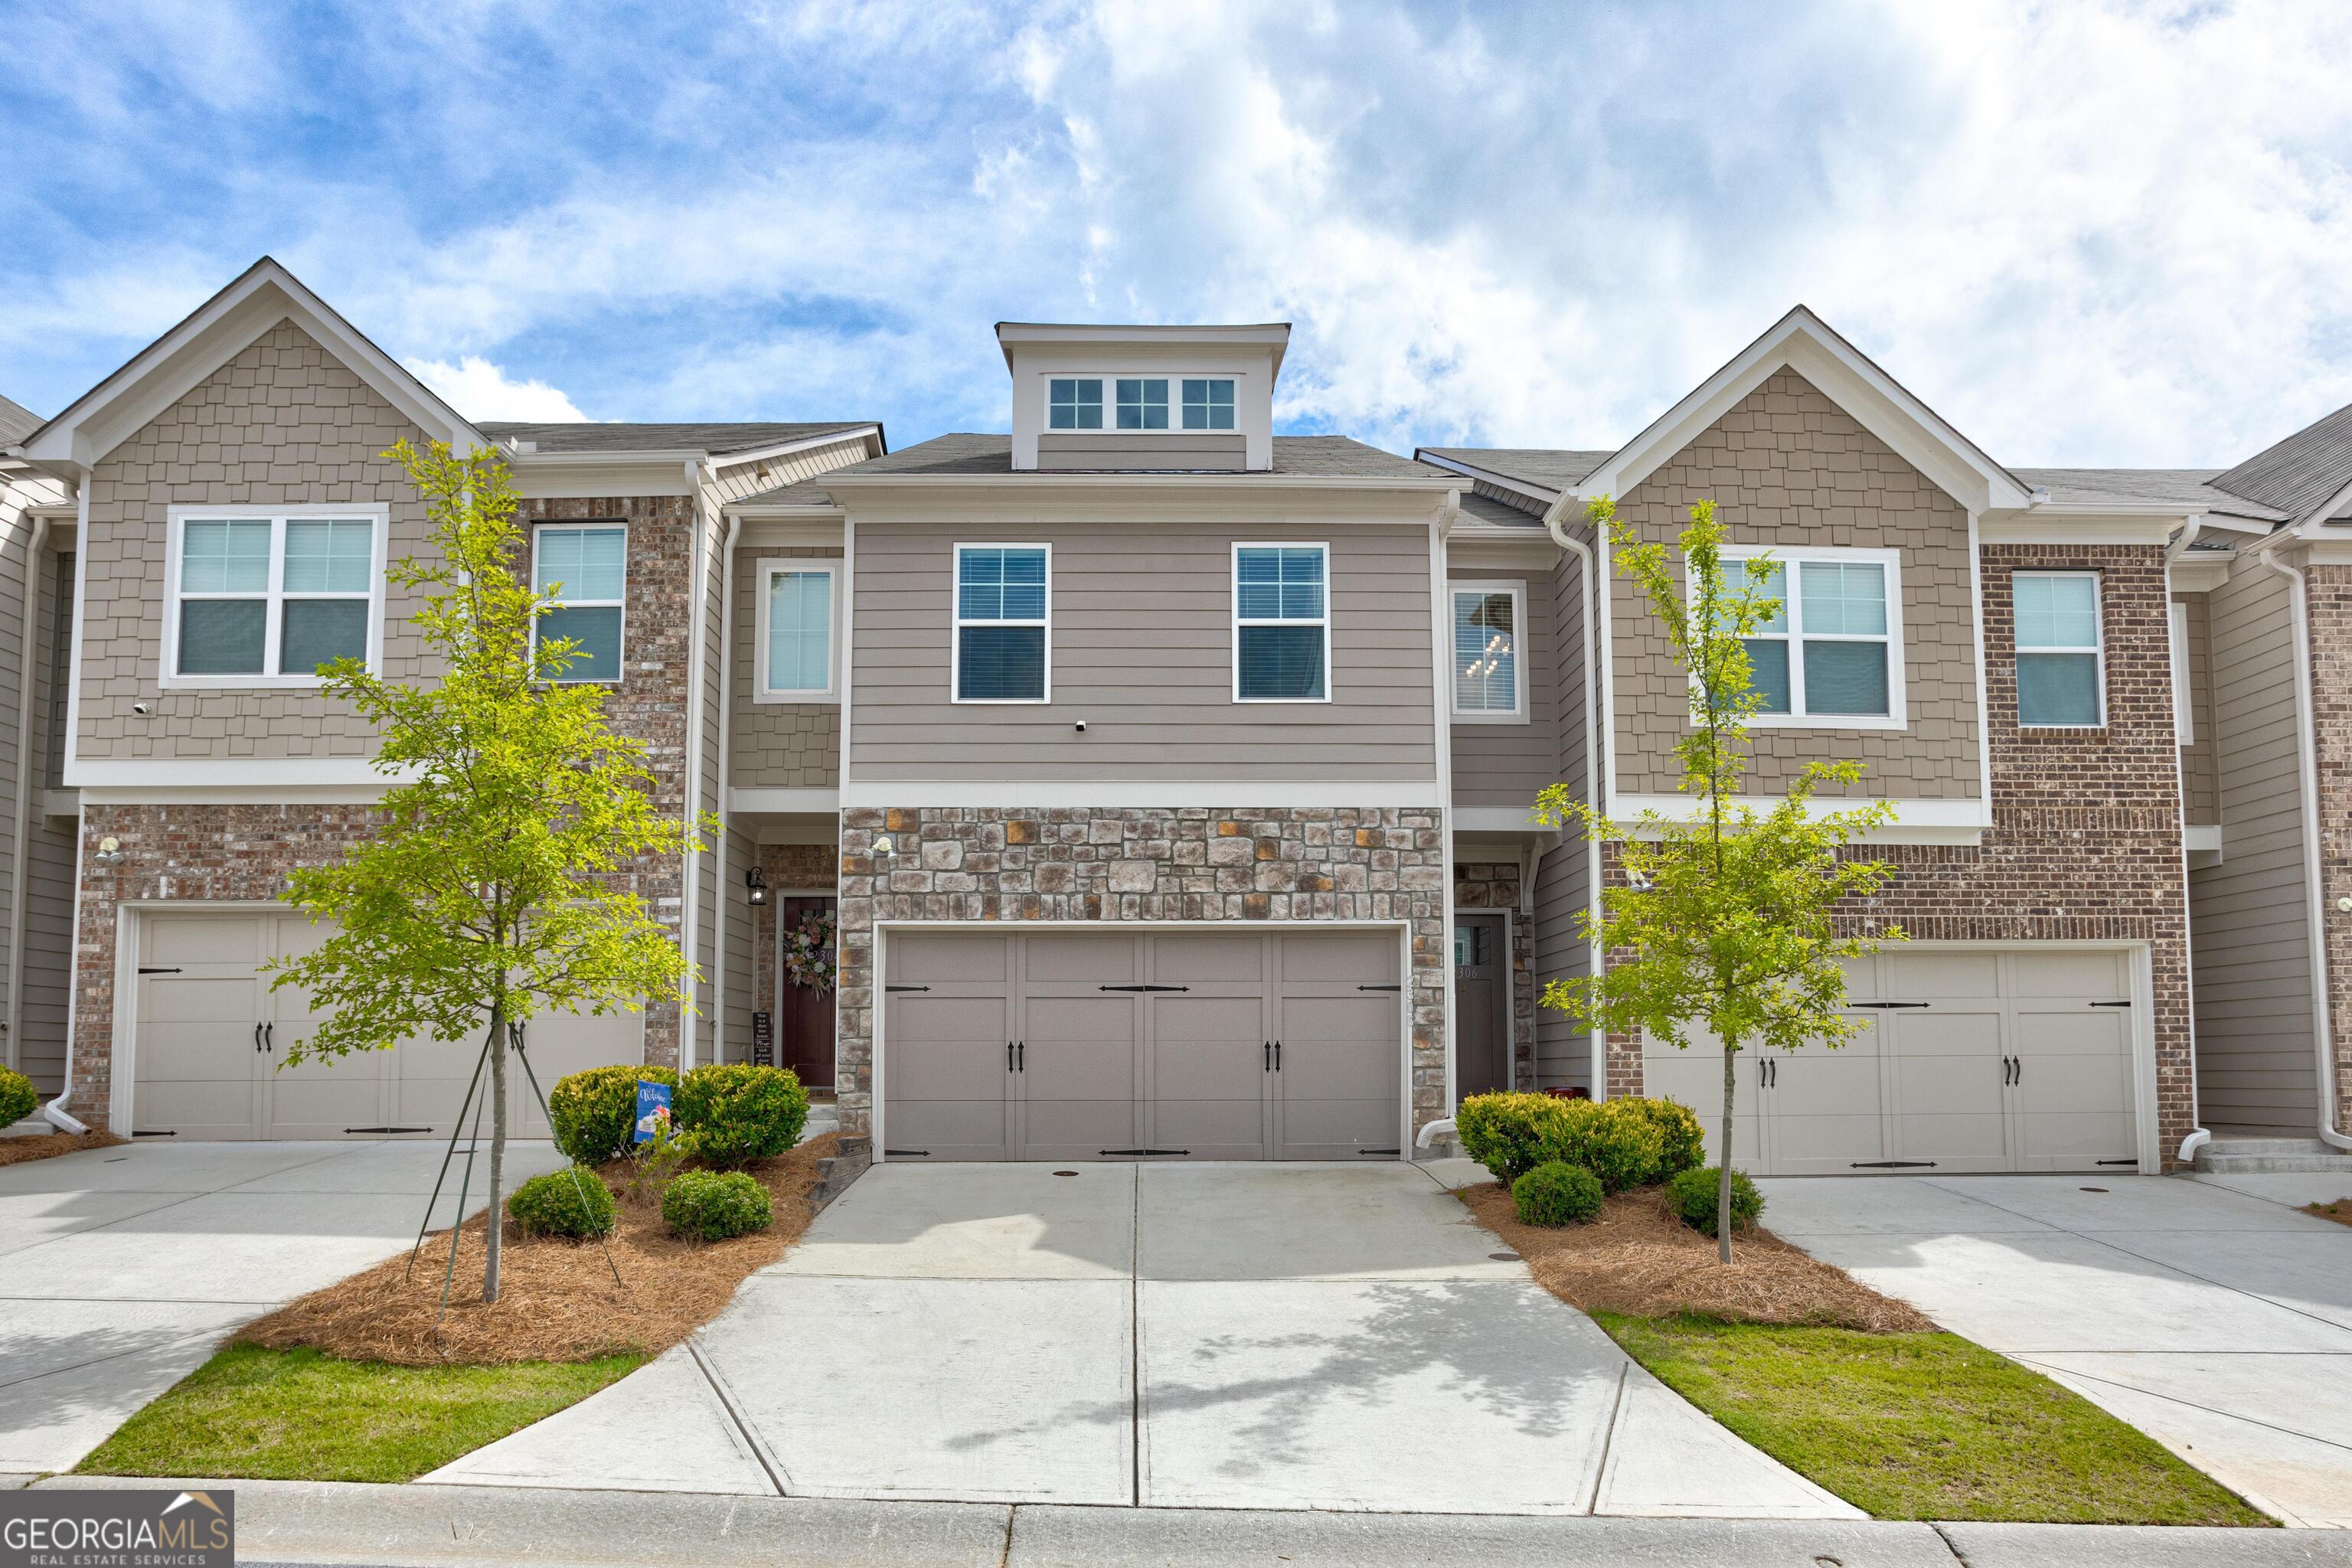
1483	514
17	422
977	456
715	439
2190	488
2300	473
1547	468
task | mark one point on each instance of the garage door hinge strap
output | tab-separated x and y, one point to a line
906	988
387	1129
1893	1166
1143	1151
2110	1004
1380	987
907	1154
1143	988
1886	1006
143	969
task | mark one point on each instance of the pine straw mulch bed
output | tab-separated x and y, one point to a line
1636	1258
43	1146
557	1300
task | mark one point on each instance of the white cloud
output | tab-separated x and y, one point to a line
480	390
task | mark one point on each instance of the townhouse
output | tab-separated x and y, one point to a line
1159	785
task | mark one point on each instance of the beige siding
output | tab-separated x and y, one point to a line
1563	1057
2201	794
1505	764
776	745
1788	466
736	481
1142	651
49	847
282	422
37	1046
1190	450
2248	924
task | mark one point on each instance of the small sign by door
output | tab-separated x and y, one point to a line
763	1039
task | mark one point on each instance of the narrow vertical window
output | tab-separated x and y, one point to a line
1073	403
1142	404
1208	403
1488	671
1001	621
1842	606
584	573
796	631
1282	624
2059	680
1767	645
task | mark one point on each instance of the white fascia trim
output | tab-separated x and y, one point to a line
263	773
1507	819
1916	821
216	332
2199	574
1541	494
1033	479
2049	525
1064	792
1801	341
826	800
2206	837
785	449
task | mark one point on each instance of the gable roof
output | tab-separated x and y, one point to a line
1542	471
1801	341
17	422
968	455
2302	474
714	441
210	336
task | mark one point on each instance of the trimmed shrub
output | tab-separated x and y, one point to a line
1510	1134
1614	1141
16	1096
732	1113
1682	1141
1693	1195
711	1205
595	1110
573	1203
1557	1193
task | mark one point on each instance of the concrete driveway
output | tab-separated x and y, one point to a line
1224	1336
2207	1312
122	1270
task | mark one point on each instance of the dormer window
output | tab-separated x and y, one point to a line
1208	403
1142	403
1075	404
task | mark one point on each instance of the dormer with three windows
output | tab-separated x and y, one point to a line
1142	399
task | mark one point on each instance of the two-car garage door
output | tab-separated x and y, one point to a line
1968	1061
211	1037
1070	1046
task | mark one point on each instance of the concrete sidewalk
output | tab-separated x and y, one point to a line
1226	1336
290	1522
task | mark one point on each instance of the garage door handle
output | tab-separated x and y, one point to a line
269	1036
1277	1056
1020	1055
1008	1056
257	1037
1266	1047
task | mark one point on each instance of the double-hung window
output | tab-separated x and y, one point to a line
1282	623
263	599
1073	403
1002	617
1489	673
796	623
2059	681
583	572
1208	403
1832	655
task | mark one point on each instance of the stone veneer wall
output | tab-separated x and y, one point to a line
1497	887
2331	693
986	864
2086	841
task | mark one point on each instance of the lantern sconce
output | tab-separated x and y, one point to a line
757	885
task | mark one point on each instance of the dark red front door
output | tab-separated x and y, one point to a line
804	1015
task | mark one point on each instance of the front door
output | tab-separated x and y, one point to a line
1482	1015
803	1013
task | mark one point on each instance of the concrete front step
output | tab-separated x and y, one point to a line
2254	1156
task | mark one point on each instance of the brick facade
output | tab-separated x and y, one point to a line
2086	841
1482	886
989	864
2331	681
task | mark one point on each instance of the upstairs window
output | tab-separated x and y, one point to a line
2059	681
1489	676
1832	655
1001	622
1208	405
584	570
1074	403
796	625
1142	404
267	599
1282	624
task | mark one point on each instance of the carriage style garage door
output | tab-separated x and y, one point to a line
211	1036
2015	1060
1102	1045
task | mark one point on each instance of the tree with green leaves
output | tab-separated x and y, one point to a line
493	889
1726	920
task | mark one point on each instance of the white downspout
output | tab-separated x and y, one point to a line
2307	761
23	827
1597	1044
2198	1134
726	710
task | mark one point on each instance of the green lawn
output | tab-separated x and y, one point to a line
299	1415
1924	1426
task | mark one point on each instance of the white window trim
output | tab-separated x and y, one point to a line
621	658
1110	380
1517	589
1897	716
2098	650
175	525
1233	569
2184	700
764	573
957	623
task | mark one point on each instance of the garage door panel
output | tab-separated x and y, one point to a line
1208	1048
2080	1030
1914	975
1340	1129
1236	961
1086	959
1694	1078
196	1108
2085	977
177	939
1337	963
1078	1049
1078	1129
930	958
1825	1111
949	1129
1207	1128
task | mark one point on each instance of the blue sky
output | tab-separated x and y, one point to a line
2086	233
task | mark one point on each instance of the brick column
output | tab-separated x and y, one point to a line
2331	702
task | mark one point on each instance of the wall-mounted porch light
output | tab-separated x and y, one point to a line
757	885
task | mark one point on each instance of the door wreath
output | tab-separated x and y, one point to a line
808	951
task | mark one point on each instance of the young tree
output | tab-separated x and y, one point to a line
1725	919
490	894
